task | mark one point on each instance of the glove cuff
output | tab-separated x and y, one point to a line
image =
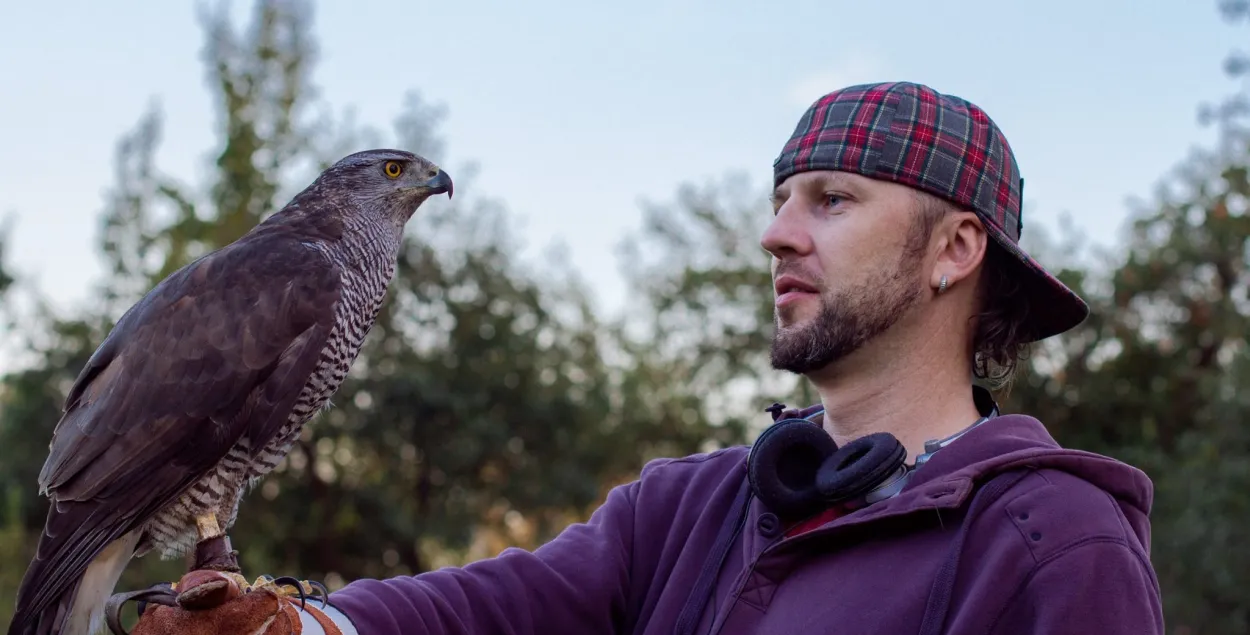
328	620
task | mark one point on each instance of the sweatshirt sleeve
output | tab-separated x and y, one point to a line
1101	587
576	583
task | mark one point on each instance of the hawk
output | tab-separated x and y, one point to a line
203	385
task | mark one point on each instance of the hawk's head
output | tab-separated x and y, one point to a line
384	184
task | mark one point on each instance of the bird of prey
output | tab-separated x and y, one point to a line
203	385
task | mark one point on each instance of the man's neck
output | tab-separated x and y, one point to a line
917	397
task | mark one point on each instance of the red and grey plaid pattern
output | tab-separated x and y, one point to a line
911	134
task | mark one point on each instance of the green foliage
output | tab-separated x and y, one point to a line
6	278
490	407
29	401
1157	379
706	296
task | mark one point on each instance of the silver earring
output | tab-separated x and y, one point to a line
942	285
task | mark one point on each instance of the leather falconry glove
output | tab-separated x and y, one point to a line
207	602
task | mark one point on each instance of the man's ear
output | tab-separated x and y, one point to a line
960	247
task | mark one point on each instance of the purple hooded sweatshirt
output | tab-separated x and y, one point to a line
1064	549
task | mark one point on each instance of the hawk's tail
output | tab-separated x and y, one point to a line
80	608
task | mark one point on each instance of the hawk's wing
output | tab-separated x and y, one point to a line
218	350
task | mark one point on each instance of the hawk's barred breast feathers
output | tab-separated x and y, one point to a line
204	384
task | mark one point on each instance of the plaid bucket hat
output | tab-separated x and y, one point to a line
911	134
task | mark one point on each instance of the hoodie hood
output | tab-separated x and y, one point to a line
1010	441
1002	443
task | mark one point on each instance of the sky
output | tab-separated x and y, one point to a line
577	114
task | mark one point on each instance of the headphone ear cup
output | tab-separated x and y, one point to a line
859	466
783	465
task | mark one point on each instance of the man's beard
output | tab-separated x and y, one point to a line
848	319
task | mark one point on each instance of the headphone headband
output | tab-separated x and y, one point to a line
796	469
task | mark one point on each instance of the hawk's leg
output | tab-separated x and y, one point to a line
212	550
213	553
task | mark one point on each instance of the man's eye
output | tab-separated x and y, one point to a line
833	199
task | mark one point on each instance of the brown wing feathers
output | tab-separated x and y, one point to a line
219	348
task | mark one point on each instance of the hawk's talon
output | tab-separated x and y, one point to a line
323	592
299	587
163	594
303	588
141	605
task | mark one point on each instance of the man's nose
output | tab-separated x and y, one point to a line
787	234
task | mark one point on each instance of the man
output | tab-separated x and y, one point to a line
902	503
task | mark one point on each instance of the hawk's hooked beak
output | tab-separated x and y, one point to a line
439	184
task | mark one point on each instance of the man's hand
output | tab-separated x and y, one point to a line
212	603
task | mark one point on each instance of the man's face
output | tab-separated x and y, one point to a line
848	255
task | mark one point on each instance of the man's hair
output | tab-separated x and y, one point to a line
1000	339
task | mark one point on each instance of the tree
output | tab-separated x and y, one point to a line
489	407
1157	376
6	282
705	304
6	279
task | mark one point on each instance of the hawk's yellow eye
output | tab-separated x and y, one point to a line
393	169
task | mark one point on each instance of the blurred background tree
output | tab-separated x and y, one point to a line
6	279
1155	377
491	407
706	296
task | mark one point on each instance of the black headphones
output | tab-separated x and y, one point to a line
796	469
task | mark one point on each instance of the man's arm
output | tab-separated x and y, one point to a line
577	583
1099	587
